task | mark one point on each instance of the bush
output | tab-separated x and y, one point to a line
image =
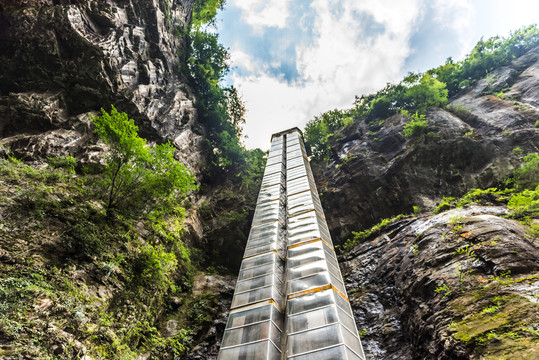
525	203
527	176
83	240
416	127
154	266
319	130
65	162
137	176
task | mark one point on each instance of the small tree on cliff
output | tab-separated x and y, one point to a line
137	176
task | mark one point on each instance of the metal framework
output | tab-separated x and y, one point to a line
290	301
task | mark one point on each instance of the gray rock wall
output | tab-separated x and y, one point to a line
63	60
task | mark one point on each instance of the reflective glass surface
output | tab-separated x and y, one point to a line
271	169
273	230
262	350
263	248
250	316
293	162
270	193
275	159
269	211
272	179
254	283
339	352
276	268
251	333
298	171
314	339
289	220
257	295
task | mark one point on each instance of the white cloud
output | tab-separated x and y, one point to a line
240	59
262	13
341	62
356	48
456	16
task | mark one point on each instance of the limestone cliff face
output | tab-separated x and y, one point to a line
375	172
461	284
62	60
456	285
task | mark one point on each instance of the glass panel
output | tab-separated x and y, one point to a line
253	296
310	302
268	211
302	201
290	153
257	261
351	340
273	230
307	269
296	172
298	185
257	282
260	350
250	316
246	334
277	317
314	339
270	193
353	356
304	259
334	353
308	282
347	321
255	243
312	319
290	163
276	268
264	248
293	147
273	169
274	160
337	282
272	179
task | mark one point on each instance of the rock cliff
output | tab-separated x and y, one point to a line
461	284
63	60
475	143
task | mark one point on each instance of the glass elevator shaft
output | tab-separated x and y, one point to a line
290	301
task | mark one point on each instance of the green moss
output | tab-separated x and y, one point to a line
496	321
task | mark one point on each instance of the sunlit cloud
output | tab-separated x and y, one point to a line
293	60
262	13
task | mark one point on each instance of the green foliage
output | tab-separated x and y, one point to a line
416	127
220	108
525	203
486	56
83	240
415	92
527	176
362	235
65	162
321	128
153	267
138	177
444	289
421	91
204	11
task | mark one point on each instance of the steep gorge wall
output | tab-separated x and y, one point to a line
62	60
375	172
461	284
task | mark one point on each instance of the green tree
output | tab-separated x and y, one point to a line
138	176
417	125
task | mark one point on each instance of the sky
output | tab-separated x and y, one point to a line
292	60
